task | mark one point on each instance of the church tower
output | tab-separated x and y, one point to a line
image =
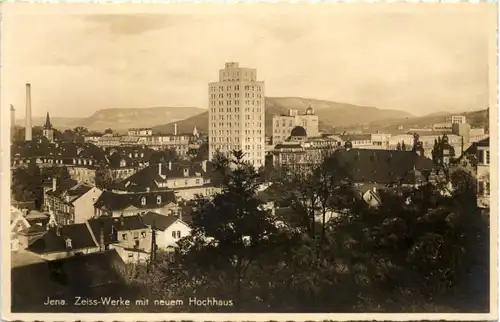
48	131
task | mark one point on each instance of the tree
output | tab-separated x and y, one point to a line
108	131
403	146
398	147
103	178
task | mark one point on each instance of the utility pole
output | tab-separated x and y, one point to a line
153	245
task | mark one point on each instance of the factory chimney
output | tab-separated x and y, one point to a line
28	129
175	128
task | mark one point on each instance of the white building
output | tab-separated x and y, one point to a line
283	124
169	229
456	119
236	114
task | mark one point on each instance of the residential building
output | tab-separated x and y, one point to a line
169	229
66	241
299	150
236	114
483	173
129	236
283	124
122	203
71	205
186	179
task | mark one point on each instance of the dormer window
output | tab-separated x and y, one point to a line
142	155
158	199
68	243
143	201
123	163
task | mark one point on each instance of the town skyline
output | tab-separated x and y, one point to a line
455	78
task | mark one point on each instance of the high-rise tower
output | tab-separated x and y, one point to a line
27	118
236	114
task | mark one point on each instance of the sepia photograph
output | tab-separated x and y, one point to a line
284	159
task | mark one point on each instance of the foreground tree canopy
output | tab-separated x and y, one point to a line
419	251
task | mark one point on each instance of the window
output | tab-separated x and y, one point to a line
136	235
124	236
143	201
143	234
176	234
487	153
130	255
158	199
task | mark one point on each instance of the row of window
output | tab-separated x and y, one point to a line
229	124
236	88
234	102
236	110
484	157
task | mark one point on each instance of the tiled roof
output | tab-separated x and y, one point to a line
149	176
74	192
160	222
119	201
111	225
50	242
381	166
484	143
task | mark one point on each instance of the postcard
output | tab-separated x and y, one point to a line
249	161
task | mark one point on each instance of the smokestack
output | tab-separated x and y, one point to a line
175	128
12	116
27	121
54	183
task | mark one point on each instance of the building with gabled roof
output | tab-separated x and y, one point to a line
71	204
169	229
128	235
66	241
185	178
116	204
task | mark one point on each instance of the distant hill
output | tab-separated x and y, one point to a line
120	119
474	118
331	114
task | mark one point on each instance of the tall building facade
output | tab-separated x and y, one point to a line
283	124
236	114
456	119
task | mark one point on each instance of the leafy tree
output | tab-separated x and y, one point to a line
108	131
403	146
398	147
103	178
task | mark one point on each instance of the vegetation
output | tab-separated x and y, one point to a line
419	251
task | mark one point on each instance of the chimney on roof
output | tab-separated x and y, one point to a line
175	128
54	183
27	118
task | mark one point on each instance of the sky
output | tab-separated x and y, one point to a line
417	58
